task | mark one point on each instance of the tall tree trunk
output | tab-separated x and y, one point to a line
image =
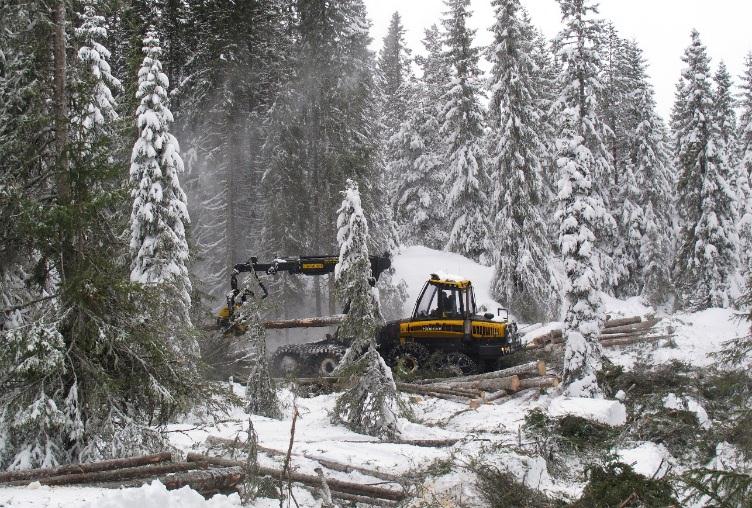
62	180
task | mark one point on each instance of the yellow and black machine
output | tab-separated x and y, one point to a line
446	330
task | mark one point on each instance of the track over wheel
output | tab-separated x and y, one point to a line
287	364
326	363
408	358
460	364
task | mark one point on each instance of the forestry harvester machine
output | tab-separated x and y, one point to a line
445	329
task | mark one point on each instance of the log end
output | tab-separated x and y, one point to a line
514	384
541	368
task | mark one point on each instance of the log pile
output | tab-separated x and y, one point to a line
484	388
207	475
615	332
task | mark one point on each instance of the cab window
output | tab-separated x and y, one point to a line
441	302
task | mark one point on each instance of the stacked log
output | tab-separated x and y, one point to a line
484	388
615	332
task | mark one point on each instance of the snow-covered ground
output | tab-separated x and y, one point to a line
486	433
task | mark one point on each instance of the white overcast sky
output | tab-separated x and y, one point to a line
661	27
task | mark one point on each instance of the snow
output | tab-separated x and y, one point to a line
687	403
154	495
609	412
648	459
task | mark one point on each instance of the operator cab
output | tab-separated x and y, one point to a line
445	298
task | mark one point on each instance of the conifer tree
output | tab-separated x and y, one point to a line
372	405
706	204
158	247
523	279
101	107
581	213
745	168
417	159
260	391
462	128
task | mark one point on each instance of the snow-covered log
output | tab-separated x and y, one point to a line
643	325
105	465
511	383
310	480
633	340
127	473
537	367
539	382
309	322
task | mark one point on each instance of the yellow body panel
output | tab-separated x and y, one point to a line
224	312
445	328
311	266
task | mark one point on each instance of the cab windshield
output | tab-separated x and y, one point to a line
441	302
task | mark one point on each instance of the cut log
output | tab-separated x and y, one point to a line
634	340
311	480
429	443
624	335
428	393
538	367
611	323
207	482
511	383
363	499
327	463
643	325
348	468
489	397
539	382
424	389
104	465
114	475
310	322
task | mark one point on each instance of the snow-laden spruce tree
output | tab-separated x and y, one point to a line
260	392
745	168
578	51
523	279
466	183
706	201
158	247
416	166
100	109
581	213
648	159
371	405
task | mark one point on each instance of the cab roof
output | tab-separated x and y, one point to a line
449	280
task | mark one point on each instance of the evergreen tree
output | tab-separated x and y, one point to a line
100	109
650	159
523	279
706	203
87	374
417	155
745	168
260	391
353	275
371	406
158	247
581	160
467	181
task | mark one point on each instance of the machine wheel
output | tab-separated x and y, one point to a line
408	358
460	364
326	363
287	364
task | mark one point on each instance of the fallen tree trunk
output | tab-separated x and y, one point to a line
611	323
363	499
511	383
310	322
538	367
327	463
114	475
348	468
425	389
623	335
634	340
539	382
643	325
311	480
91	467
429	443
